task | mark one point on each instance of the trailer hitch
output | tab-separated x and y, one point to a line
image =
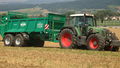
115	43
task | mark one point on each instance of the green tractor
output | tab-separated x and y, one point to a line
81	31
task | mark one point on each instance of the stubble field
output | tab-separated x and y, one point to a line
51	56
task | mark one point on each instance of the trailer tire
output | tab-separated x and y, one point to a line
95	42
19	41
8	40
67	39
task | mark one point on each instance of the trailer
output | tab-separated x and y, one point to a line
17	29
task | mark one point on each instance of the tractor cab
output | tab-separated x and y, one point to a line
82	20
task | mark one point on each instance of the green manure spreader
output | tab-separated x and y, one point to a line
17	29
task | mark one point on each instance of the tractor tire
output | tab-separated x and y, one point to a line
67	39
8	40
37	43
19	41
112	48
95	42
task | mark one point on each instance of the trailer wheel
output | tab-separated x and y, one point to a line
66	39
95	42
8	40
19	40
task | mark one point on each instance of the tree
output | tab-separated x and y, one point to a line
101	14
68	13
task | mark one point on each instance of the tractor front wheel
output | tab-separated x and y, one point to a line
66	39
95	42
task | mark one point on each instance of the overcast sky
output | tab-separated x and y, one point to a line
12	0
30	0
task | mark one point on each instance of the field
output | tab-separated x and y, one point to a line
51	56
109	23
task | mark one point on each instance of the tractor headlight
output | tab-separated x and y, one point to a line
110	34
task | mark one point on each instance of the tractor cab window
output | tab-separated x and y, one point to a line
80	20
77	20
89	20
72	20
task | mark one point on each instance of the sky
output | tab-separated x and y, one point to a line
12	0
4	1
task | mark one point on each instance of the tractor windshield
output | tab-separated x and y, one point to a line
80	20
89	20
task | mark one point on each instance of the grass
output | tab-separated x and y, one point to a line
109	23
48	57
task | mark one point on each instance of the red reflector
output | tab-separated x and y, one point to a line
46	26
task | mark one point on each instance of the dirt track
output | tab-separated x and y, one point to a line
52	57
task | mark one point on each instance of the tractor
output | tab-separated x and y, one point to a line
81	30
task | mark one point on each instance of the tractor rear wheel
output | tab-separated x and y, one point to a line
95	42
8	40
67	39
19	41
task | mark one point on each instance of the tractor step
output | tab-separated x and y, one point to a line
81	41
115	43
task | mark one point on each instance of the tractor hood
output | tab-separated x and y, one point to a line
101	31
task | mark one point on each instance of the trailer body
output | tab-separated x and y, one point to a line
44	28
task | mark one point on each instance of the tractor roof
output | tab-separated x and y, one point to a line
81	15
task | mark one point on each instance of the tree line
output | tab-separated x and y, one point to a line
102	14
99	14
